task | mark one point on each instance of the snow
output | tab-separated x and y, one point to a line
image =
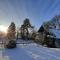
29	51
42	53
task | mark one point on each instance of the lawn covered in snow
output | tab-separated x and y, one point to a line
29	51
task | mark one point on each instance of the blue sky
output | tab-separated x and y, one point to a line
37	11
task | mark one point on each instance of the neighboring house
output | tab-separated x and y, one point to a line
43	35
39	38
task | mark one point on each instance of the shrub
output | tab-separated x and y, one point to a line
11	44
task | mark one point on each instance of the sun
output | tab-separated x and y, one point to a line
3	28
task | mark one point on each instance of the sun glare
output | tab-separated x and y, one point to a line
3	28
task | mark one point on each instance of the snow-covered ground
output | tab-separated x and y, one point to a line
29	51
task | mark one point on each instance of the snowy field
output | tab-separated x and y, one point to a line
29	51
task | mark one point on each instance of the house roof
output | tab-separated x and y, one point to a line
41	29
56	32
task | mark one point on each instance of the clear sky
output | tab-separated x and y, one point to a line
37	11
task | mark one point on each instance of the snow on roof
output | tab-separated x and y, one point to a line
56	32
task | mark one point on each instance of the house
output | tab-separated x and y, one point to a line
50	32
50	37
43	36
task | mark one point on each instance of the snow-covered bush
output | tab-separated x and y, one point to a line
11	44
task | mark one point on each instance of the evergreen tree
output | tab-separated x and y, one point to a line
11	31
